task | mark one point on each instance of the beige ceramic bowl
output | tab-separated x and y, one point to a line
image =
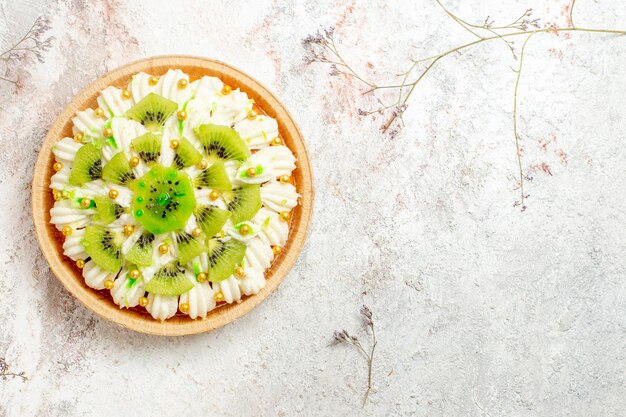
138	318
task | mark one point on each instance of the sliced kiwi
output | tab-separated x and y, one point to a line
211	219
222	142
118	170
106	210
188	247
169	280
214	177
141	252
224	256
243	202
87	165
103	246
148	147
152	111
186	155
163	199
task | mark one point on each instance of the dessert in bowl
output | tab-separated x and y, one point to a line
176	195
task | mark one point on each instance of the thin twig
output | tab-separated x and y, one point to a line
460	21
517	147
344	337
8	80
369	365
519	27
30	43
5	372
387	124
26	36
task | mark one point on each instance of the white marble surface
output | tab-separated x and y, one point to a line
481	309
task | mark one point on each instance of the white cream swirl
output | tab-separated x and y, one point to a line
271	229
259	254
252	282
140	86
88	123
258	132
64	214
73	248
126	291
200	300
280	157
111	101
162	307
65	150
278	196
96	276
263	169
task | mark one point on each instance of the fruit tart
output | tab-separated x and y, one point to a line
173	196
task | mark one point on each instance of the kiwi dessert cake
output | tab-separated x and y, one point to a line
173	196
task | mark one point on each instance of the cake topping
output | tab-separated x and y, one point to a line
171	192
165	198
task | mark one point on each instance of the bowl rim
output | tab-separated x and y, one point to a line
101	303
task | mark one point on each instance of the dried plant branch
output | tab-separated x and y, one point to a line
343	336
31	44
517	147
525	25
460	21
5	372
571	13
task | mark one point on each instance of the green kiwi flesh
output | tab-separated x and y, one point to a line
148	147
152	111
169	280
118	170
188	247
186	155
222	142
141	252
87	165
163	199
103	246
214	177
224	256
106	210
243	202
211	219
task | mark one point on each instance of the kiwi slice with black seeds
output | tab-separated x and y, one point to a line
224	256
118	170
103	246
106	210
186	155
222	142
87	165
148	147
214	177
188	247
211	219
152	111
243	202
163	199
141	252
169	280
